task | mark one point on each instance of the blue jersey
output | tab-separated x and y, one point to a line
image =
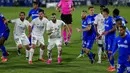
124	21
109	23
89	21
2	25
123	45
34	13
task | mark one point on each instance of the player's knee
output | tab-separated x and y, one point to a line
33	46
27	47
20	46
42	47
87	50
2	40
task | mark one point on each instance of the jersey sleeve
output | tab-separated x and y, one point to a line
59	4
13	21
48	26
113	22
30	13
62	23
96	20
28	24
1	15
32	22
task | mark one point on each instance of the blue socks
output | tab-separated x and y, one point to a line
112	60
82	52
90	55
30	41
3	51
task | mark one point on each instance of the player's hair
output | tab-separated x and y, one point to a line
119	20
116	11
90	7
22	13
35	2
123	27
106	10
41	11
53	14
84	11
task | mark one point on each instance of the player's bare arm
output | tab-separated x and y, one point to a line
85	29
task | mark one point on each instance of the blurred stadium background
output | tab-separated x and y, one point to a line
76	2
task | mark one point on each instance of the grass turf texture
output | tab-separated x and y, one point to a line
18	64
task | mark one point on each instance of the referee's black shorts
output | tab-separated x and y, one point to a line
66	18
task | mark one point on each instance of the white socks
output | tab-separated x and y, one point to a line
99	53
41	53
27	53
31	54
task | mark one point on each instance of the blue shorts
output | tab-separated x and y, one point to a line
5	35
109	41
122	67
88	44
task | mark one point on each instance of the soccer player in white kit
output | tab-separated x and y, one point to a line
99	26
39	25
54	37
20	37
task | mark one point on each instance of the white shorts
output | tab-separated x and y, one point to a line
101	41
37	39
53	42
23	40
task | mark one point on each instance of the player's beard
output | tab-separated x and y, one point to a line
22	19
122	34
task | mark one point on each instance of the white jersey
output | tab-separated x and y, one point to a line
39	26
99	20
20	26
55	28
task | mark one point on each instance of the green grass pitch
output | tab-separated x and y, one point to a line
18	64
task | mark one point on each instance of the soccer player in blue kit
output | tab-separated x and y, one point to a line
110	35
89	35
116	16
120	23
122	43
88	20
4	33
34	11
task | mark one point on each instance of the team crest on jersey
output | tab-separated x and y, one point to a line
84	22
125	41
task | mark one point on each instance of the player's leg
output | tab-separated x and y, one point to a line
88	51
69	22
103	47
121	68
59	47
42	48
18	42
51	44
82	51
64	33
26	42
110	44
100	45
2	41
31	52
